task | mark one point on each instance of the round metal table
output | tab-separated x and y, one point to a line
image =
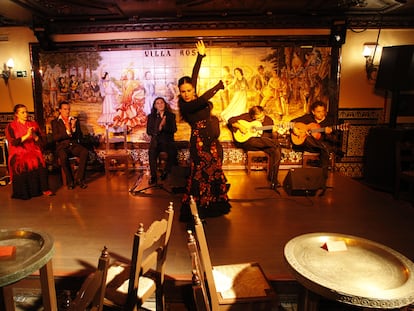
34	251
366	273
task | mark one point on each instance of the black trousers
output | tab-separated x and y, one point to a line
73	149
155	148
314	145
271	148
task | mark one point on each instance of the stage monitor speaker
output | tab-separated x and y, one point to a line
303	181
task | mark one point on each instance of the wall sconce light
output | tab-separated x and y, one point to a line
6	73
369	53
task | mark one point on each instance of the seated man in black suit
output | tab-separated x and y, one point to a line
67	134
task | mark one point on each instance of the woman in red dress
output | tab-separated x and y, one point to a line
27	166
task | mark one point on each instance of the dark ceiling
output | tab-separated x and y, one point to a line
68	16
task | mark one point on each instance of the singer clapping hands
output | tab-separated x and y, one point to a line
27	166
162	123
30	134
161	126
73	124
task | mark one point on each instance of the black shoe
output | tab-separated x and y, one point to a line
323	190
152	181
82	184
274	186
71	186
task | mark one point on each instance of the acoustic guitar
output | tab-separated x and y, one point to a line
303	130
255	129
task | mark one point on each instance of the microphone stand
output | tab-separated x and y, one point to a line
142	190
140	177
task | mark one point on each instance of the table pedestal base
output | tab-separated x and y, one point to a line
308	301
47	284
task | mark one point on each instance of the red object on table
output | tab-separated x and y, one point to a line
7	251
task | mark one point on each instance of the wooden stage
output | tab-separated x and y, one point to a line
259	225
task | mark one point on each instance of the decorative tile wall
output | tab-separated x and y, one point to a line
353	141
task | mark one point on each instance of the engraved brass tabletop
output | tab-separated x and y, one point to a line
34	251
366	274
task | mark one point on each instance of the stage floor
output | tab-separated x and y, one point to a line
259	225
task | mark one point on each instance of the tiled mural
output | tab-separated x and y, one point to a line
124	83
284	80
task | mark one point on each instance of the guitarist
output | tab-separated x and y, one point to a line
265	142
318	117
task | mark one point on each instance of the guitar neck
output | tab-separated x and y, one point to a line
285	125
322	129
318	130
265	127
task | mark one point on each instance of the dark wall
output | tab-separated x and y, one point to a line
380	156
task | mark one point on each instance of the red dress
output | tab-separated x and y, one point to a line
27	166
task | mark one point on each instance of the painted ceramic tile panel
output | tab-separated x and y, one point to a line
116	89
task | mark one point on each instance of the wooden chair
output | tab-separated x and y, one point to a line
116	160
242	286
199	292
129	285
310	159
404	167
252	160
91	295
73	163
162	161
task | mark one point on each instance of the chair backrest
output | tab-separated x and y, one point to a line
241	284
149	252
201	257
200	294
91	294
404	156
404	164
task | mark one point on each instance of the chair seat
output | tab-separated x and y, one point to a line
240	281
117	283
